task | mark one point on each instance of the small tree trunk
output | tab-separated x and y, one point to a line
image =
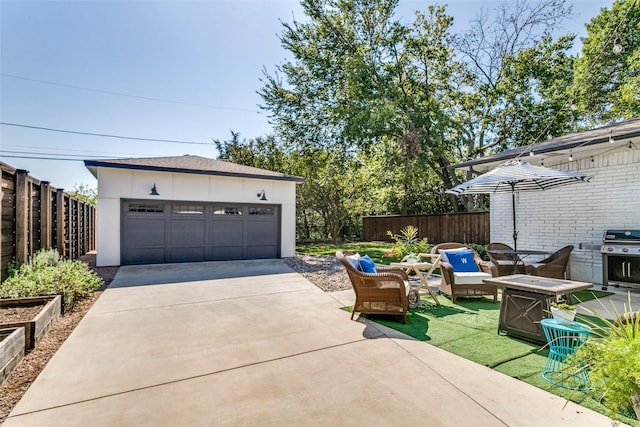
635	399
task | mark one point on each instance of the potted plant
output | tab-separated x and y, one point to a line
408	243
611	356
563	312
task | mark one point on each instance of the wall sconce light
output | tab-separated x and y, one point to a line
262	195
571	155
611	141
154	190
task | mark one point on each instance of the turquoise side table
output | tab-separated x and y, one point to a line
563	338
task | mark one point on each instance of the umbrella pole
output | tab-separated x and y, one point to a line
513	208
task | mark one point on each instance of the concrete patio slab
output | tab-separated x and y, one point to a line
518	405
613	305
269	348
306	389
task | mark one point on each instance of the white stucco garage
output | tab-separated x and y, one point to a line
191	208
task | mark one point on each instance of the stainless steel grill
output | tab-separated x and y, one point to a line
621	258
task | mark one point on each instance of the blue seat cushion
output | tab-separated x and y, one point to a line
367	265
463	262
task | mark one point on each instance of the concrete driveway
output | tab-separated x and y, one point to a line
254	343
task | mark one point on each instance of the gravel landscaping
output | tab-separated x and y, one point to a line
326	272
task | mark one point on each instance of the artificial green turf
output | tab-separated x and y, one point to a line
469	329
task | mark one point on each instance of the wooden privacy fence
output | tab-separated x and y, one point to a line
466	227
37	216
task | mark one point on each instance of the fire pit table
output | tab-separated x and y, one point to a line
526	300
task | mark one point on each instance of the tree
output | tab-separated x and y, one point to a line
85	193
512	68
264	153
325	201
360	77
512	87
607	73
368	98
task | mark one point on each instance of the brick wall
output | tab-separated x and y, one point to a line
575	214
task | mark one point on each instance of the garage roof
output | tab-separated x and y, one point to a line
621	133
190	164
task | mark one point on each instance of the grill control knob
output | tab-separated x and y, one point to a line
625	249
610	249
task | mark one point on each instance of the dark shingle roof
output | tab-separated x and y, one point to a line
623	130
190	164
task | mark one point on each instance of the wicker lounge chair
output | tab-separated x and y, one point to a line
504	262
466	284
384	292
555	266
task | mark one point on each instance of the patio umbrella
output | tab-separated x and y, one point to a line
514	176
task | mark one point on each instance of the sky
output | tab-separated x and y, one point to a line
180	71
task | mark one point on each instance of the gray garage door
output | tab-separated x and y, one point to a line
164	231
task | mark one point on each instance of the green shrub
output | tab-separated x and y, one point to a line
45	258
407	242
611	355
482	251
48	274
13	268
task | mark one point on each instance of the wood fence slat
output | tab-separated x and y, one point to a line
34	215
45	215
467	227
60	222
22	216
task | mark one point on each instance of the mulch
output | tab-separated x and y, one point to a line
19	314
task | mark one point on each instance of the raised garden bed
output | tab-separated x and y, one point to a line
35	322
11	350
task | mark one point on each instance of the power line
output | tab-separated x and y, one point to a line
83	156
42	158
104	135
148	98
86	152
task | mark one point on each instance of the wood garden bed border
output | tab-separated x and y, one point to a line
35	328
11	350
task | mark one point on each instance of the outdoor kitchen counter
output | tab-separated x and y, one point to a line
526	300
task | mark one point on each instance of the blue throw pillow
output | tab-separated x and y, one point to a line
367	265
445	252
463	262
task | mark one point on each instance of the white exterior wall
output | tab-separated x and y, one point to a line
577	213
116	184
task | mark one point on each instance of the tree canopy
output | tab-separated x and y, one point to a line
373	111
607	73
